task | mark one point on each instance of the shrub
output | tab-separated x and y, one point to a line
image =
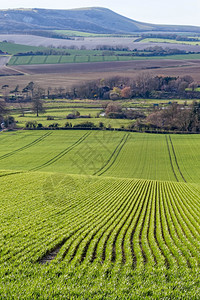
68	125
31	124
54	125
9	122
85	125
50	118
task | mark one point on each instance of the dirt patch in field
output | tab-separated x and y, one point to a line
4	71
7	71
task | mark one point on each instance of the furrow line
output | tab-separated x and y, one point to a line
104	230
117	151
108	223
174	229
173	150
170	158
26	146
62	153
138	254
89	223
114	207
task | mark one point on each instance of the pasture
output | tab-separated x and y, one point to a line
99	215
12	48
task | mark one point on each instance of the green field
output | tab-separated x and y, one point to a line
99	215
80	33
74	33
58	111
171	41
84	58
11	48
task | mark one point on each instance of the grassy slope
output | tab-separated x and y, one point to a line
99	214
116	154
11	48
92	19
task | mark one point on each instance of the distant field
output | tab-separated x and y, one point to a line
12	48
89	42
73	33
84	58
69	74
158	40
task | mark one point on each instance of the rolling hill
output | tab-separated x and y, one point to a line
96	215
94	20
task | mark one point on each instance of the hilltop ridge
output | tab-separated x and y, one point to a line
92	19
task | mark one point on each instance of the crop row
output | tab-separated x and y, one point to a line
103	153
86	220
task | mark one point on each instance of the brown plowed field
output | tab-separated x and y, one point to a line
66	75
100	67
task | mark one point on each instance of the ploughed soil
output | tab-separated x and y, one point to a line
118	66
66	75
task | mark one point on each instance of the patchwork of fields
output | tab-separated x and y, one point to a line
99	215
63	59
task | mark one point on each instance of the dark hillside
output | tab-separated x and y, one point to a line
94	20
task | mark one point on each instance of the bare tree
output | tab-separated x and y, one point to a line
5	91
3	109
37	103
21	107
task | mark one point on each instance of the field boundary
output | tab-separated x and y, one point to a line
113	129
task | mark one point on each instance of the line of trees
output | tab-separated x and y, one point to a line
6	121
34	93
144	86
174	117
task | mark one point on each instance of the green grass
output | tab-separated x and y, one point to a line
81	58
144	156
99	215
59	109
11	48
67	59
60	118
53	59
